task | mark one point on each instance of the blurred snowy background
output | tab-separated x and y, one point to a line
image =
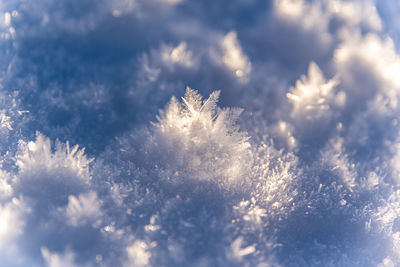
286	152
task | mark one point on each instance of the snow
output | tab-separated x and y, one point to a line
199	133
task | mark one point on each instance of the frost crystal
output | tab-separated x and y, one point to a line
54	259
42	172
83	209
202	140
313	96
233	57
138	254
38	156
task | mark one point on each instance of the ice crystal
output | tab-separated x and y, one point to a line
202	140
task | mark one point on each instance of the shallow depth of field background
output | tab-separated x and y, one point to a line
199	133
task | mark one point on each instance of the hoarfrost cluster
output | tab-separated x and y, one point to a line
286	153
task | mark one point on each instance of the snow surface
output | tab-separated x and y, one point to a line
199	133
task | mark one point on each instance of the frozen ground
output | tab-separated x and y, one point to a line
199	133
